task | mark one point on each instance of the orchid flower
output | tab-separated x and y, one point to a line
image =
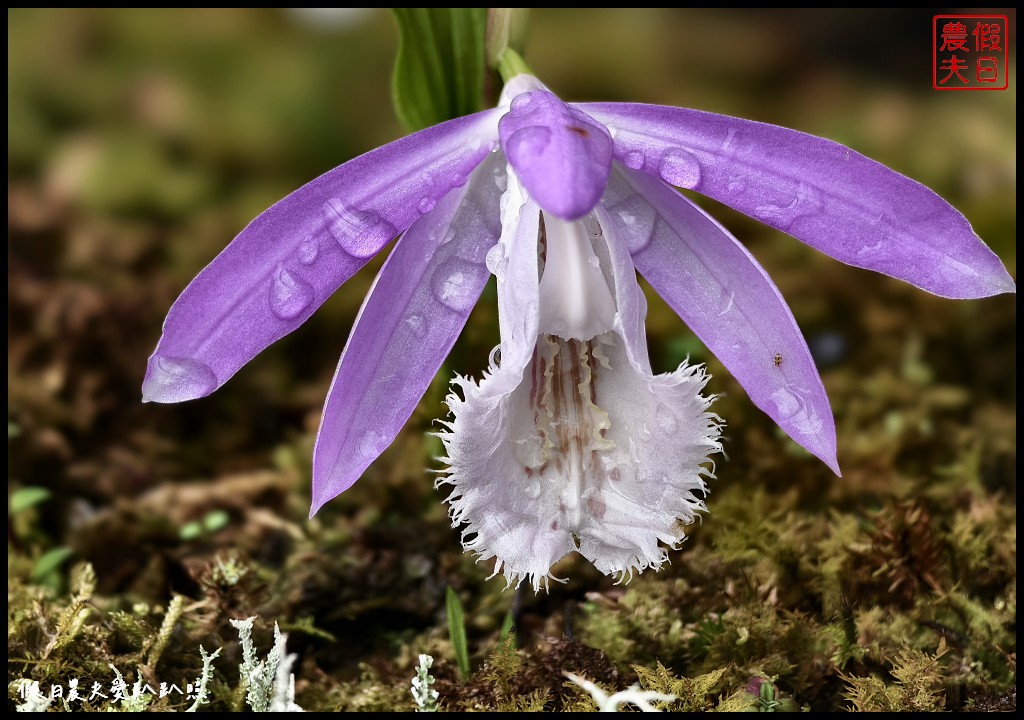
569	442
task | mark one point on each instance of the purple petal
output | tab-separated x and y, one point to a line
412	316
561	155
290	259
727	300
824	194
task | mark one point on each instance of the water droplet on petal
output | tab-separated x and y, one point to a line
500	179
371	445
870	249
527	144
634	159
308	251
290	295
494	360
360	233
457	285
728	299
637	224
736	185
666	419
680	168
521	101
532	490
594	261
426	204
497	262
473	247
956	270
417	324
529	452
807	201
792	407
175	379
729	145
740	351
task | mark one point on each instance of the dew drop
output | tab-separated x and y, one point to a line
360	233
680	168
532	490
176	379
956	270
371	445
527	144
494	359
308	251
521	101
729	145
529	452
500	179
290	295
870	249
426	204
638	221
417	324
736	186
634	159
728	300
457	285
739	351
807	201
793	409
497	262
666	419
594	261
473	247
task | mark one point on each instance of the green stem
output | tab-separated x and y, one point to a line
511	64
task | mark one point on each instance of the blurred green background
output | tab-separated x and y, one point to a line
141	141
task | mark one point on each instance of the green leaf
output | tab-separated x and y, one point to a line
26	497
439	72
507	626
457	632
50	561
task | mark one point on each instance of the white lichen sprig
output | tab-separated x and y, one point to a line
203	681
633	695
270	684
426	699
34	699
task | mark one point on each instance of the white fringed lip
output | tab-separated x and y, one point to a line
572	444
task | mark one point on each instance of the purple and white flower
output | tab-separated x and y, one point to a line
570	442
